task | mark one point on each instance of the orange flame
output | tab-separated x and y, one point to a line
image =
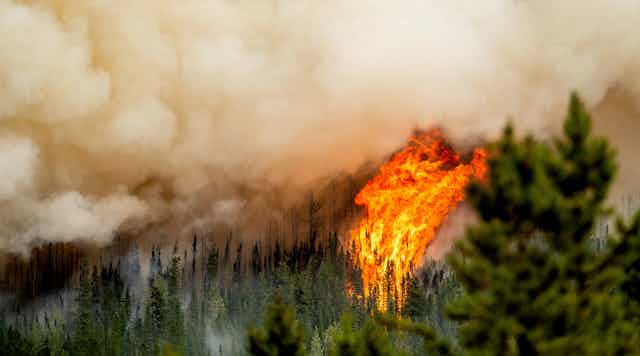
405	204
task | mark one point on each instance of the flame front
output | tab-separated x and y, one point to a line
405	204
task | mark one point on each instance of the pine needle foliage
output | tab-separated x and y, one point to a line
534	285
281	334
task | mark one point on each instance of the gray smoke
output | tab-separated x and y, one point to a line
115	113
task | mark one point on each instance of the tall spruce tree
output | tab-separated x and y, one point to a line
534	285
86	341
175	314
416	302
155	319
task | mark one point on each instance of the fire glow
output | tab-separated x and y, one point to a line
405	204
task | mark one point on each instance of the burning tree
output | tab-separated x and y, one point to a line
405	204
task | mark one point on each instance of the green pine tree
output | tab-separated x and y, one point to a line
86	341
155	319
370	340
114	339
416	303
534	286
281	334
175	314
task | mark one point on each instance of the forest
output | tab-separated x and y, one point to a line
540	273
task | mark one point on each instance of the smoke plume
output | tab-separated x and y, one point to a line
118	113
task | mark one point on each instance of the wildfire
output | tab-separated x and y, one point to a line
405	204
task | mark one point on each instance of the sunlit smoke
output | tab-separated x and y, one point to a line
115	114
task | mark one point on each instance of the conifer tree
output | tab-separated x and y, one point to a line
370	340
415	305
115	335
533	284
175	314
155	318
281	335
85	340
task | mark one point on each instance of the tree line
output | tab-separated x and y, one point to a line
191	306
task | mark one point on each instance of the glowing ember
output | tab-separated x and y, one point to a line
405	204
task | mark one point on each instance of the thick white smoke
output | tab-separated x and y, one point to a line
114	113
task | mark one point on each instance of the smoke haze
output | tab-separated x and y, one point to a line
115	114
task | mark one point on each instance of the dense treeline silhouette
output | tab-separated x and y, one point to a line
200	301
48	268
